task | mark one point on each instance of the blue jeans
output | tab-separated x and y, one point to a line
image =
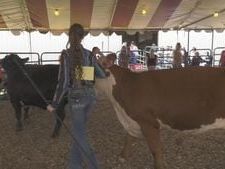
81	102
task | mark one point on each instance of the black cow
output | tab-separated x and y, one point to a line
22	93
1	74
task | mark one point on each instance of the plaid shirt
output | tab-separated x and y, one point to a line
64	81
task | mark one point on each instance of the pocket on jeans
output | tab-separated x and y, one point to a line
77	93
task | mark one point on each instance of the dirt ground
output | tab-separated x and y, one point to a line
33	148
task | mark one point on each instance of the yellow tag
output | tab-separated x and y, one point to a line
88	73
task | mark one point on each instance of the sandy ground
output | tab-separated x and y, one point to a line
33	148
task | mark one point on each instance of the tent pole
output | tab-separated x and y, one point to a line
212	40
30	43
102	45
108	41
188	41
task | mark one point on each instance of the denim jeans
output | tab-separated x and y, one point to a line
81	102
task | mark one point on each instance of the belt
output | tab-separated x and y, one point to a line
83	83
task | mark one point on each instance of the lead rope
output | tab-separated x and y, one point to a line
46	101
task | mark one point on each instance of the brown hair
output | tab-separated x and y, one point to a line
75	49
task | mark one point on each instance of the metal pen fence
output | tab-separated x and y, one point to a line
165	57
50	58
34	57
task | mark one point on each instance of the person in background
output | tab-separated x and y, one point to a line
222	59
123	59
133	47
196	59
186	58
76	80
97	54
151	59
177	56
209	59
133	53
193	51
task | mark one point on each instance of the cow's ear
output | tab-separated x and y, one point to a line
25	60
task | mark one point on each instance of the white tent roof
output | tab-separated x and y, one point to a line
111	15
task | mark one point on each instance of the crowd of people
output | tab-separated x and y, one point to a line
194	58
129	54
180	57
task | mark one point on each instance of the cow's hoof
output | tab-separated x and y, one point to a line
27	121
19	127
26	118
55	135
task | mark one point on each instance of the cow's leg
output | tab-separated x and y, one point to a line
60	115
152	135
26	112
128	143
17	107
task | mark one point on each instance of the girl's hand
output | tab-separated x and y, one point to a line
50	108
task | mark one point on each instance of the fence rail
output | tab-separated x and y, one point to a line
165	57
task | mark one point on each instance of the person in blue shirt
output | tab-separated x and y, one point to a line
76	80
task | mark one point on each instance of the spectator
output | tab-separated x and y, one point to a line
123	57
196	59
133	53
222	59
209	59
151	58
186	58
193	51
97	54
177	56
133	47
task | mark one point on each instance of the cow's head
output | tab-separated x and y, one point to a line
11	61
105	84
108	60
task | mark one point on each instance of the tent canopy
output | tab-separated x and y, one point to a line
111	15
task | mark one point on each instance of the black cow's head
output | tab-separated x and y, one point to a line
11	61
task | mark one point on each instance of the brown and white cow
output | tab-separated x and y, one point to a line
183	99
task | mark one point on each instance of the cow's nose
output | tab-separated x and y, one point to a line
2	70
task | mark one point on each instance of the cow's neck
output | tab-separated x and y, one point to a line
12	74
131	126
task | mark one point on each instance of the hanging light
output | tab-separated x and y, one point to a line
56	12
215	14
143	11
